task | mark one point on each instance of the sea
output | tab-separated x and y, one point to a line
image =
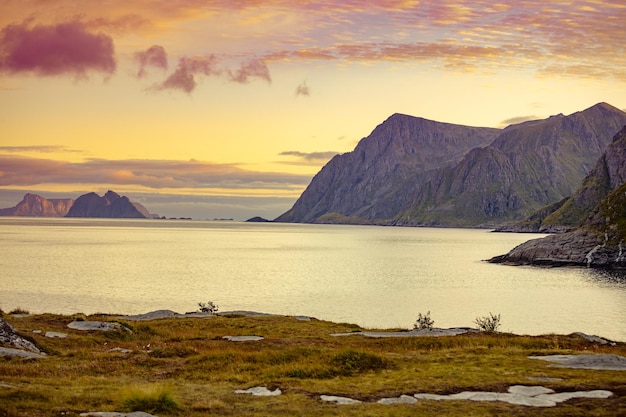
376	277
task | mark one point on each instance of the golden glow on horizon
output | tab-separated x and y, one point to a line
226	85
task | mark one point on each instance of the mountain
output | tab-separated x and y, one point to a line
607	175
33	205
111	205
599	240
373	183
412	171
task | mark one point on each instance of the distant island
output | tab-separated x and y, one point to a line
111	205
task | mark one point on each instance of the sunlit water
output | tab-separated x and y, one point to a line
378	277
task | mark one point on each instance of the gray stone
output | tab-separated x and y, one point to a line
586	361
403	399
243	338
103	326
529	391
412	333
20	353
115	414
339	400
121	350
9	335
53	335
260	392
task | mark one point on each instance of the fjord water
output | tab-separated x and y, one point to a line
377	277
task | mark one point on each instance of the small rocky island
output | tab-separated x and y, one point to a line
599	240
110	205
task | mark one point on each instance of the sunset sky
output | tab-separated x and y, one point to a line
227	108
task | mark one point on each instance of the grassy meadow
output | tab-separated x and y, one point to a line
183	367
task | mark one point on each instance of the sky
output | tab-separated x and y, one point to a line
228	108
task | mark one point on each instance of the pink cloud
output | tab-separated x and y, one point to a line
155	56
65	48
249	69
183	78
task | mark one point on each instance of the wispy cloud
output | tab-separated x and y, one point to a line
308	158
65	48
517	119
38	148
155	56
302	89
155	174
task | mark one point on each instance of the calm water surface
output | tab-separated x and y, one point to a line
378	277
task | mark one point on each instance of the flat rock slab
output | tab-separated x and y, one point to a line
587	361
243	338
103	326
116	414
163	314
403	399
20	353
54	335
260	392
531	396
413	333
339	400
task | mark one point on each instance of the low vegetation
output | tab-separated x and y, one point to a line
490	323
184	367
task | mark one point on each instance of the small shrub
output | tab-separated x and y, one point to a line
489	323
424	322
209	307
351	361
154	400
19	310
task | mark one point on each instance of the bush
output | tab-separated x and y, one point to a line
424	322
351	362
155	400
19	310
209	307
489	323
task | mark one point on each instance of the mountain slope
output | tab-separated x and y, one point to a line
374	182
600	239
527	167
33	205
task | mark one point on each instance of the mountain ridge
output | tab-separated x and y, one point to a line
414	172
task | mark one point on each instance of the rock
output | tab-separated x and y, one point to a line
587	361
339	400
53	335
33	205
20	353
260	392
403	399
413	333
120	350
9	336
243	338
94	325
594	339
111	205
115	414
529	391
258	219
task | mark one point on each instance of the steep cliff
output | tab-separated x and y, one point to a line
33	205
374	182
527	167
411	171
111	205
600	239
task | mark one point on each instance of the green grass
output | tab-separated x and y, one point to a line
184	367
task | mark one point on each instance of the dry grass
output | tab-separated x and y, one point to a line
200	370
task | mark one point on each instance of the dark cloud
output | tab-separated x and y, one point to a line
65	48
303	89
253	68
516	120
156	174
155	56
